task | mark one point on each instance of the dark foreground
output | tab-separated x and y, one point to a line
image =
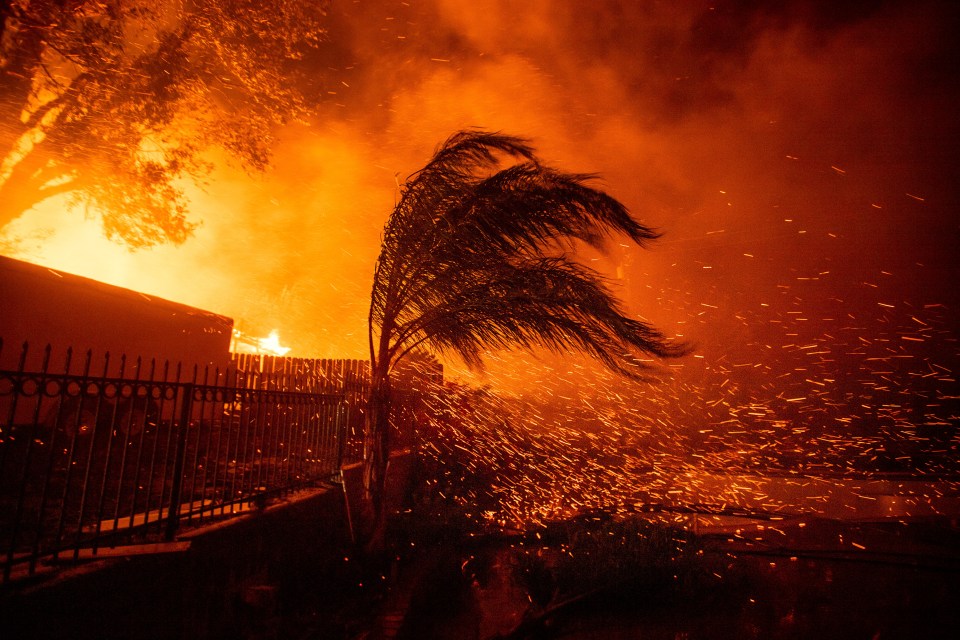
298	576
788	579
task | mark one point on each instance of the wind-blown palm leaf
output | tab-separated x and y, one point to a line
542	301
465	261
474	257
438	187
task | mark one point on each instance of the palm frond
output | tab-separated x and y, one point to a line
469	261
547	302
412	228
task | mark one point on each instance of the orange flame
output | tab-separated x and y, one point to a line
270	345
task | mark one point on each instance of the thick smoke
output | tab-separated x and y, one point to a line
789	154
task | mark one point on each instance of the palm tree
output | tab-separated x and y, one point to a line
477	255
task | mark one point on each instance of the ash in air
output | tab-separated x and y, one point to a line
799	162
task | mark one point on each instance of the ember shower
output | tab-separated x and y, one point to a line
800	161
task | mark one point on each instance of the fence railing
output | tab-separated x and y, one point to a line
89	461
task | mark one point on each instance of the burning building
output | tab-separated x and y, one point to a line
42	306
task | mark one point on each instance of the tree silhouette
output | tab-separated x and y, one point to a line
114	102
478	254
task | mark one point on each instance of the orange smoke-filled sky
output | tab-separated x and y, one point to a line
796	156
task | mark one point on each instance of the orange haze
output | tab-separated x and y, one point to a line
800	162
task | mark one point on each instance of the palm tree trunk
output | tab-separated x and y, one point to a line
376	453
377	440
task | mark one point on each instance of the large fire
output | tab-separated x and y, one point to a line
270	345
802	174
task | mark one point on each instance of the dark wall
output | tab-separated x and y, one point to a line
250	578
41	306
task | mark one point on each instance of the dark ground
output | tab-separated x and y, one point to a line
787	596
826	579
584	580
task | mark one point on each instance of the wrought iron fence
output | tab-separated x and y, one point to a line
88	461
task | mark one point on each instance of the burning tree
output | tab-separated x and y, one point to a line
479	254
113	102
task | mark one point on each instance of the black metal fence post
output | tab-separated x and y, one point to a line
173	514
70	487
341	426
